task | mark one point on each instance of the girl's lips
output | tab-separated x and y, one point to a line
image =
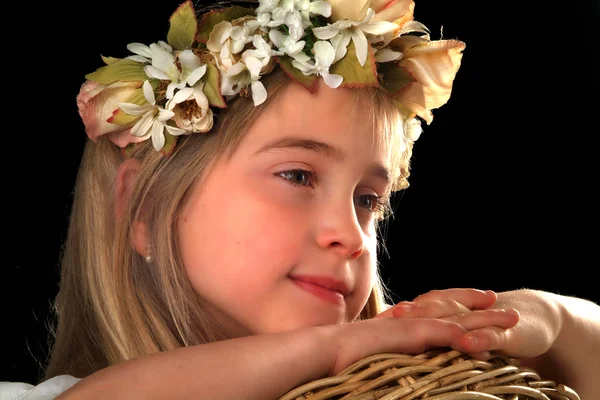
323	288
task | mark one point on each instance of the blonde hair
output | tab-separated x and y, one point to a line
112	305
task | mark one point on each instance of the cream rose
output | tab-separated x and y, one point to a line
98	103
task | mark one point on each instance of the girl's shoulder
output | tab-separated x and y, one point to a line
46	390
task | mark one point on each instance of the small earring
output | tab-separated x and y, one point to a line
148	257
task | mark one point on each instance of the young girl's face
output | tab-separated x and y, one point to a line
282	234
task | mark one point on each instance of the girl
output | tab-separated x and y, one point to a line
227	204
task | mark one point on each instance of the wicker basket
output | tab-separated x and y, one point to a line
435	375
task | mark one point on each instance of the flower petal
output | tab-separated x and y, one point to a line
332	80
140	59
181	96
218	36
399	12
158	135
321	8
195	75
340	44
149	92
254	66
165	61
353	10
134	109
387	55
277	37
324	53
142	127
156	73
201	98
188	61
173	130
379	28
164	115
140	49
326	32
259	93
362	46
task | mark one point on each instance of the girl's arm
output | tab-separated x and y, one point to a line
568	326
262	366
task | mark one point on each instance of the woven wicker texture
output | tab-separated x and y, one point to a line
435	375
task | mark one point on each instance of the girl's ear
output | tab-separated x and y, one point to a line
127	175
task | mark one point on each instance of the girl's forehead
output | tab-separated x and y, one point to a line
330	122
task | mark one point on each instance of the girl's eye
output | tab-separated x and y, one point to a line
374	204
299	177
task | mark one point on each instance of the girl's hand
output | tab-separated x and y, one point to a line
468	307
538	327
356	340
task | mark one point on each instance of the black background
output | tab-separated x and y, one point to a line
502	185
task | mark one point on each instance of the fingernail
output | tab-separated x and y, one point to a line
472	340
403	309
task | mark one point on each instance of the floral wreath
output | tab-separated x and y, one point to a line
169	89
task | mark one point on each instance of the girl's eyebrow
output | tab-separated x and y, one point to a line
325	149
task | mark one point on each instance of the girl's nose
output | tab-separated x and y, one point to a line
339	230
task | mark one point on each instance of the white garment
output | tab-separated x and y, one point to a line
46	390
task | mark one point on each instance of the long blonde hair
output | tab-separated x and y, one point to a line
112	305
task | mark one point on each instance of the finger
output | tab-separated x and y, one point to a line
429	309
386	313
486	339
473	299
502	318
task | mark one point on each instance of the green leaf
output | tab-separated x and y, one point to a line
309	81
110	60
393	77
183	28
212	86
170	142
121	70
355	75
212	18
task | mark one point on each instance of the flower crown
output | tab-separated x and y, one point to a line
171	88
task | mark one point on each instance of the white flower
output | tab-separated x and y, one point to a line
226	40
182	70
245	73
324	55
285	43
153	121
262	51
192	109
142	52
340	33
308	8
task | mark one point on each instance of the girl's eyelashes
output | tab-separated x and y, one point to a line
300	177
377	205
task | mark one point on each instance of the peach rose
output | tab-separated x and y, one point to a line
433	66
98	103
396	11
